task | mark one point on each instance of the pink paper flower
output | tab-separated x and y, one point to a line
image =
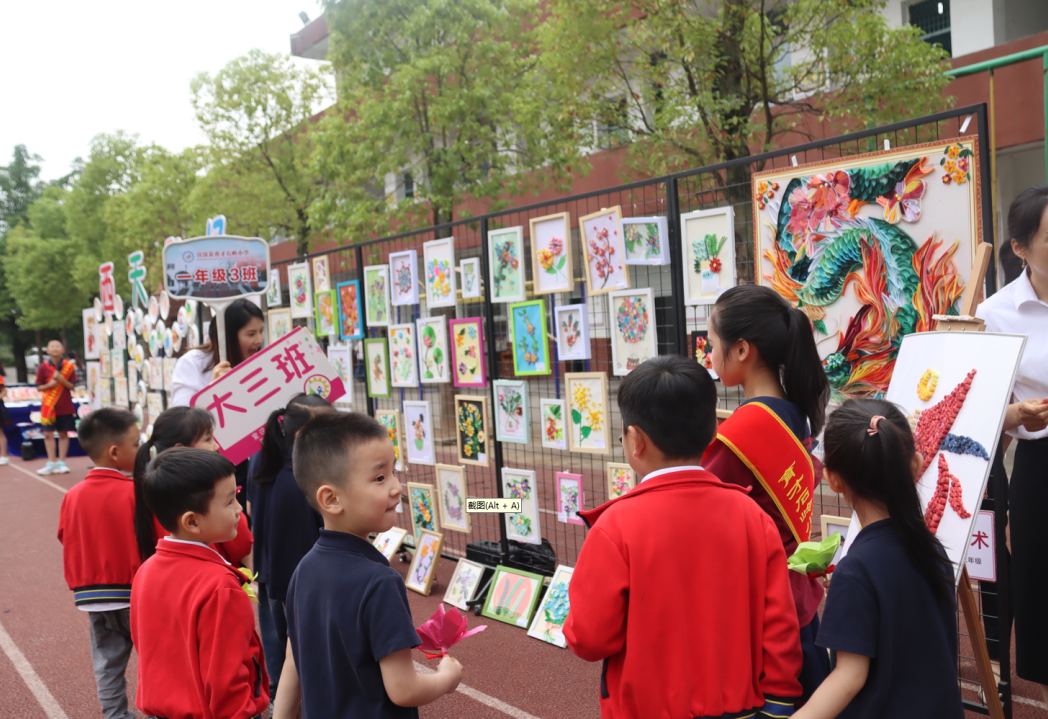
443	630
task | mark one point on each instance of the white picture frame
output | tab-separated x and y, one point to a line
463	585
511	412
341	358
634	334
452	493
695	226
548	623
649	239
601	235
471	278
571	323
551	254
438	269
419	439
91	343
388	542
525	526
273	297
300	287
506	281
434	361
553	430
403	277
403	356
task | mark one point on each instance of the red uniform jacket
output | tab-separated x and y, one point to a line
96	527
232	551
681	589
192	623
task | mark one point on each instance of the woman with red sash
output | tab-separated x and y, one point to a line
763	344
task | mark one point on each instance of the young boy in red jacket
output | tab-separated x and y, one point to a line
99	554
711	635
191	616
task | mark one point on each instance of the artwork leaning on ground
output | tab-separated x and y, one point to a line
548	624
512	596
870	248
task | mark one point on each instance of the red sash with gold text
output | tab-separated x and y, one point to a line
777	459
49	401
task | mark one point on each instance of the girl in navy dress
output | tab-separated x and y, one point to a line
891	614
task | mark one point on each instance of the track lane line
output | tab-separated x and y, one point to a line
36	685
39	478
507	709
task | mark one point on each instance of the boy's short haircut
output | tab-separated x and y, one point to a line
183	479
324	448
673	399
103	428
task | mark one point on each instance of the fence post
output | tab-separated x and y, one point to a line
359	253
989	221
680	337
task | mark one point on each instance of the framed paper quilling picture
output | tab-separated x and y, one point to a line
472	429
551	254
325	313
513	595
428	546
439	266
587	395
404	279
301	290
418	426
463	584
633	334
434	366
572	327
376	298
527	328
403	368
389	542
451	495
469	269
376	366
548	624
506	250
511	411
349	325
708	238
604	251
525	526
647	240
554	430
321	274
393	422
621	479
467	352
422	507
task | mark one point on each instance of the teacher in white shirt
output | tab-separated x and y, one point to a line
200	366
1021	307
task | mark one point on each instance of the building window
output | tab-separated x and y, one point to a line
409	186
932	17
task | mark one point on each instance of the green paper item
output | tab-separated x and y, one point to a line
814	557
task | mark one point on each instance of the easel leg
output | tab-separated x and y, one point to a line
982	654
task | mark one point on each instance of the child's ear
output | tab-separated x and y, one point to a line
834	480
328	500
188	523
638	440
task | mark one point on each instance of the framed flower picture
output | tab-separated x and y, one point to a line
527	327
467	353
91	343
422	506
376	298
376	366
511	411
572	326
418	426
570	497
389	542
646	240
633	334
551	254
438	257
349	325
403	366
708	238
120	392
301	291
604	251
554	430
702	350
428	546
451	496
341	358
524	526
463	584
621	479
470	271
506	250
273	297
472	429
512	596
325	313
321	274
279	323
587	412
548	624
392	421
403	268
432	350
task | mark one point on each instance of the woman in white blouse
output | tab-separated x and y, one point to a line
201	366
1021	307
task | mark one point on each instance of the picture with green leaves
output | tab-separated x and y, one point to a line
433	360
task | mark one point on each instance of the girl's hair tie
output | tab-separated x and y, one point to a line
873	424
152	451
280	420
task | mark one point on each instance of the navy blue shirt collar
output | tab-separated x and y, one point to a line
342	541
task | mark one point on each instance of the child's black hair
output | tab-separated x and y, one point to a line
783	337
103	428
324	448
1025	213
673	399
183	479
281	427
176	426
878	468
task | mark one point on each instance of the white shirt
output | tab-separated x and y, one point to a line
1015	309
667	470
191	375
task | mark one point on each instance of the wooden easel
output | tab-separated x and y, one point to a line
968	322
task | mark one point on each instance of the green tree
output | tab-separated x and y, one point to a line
255	113
447	92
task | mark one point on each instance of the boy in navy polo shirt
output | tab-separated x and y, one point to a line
350	632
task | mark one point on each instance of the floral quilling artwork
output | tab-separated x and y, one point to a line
278	323
467	353
506	270
403	362
433	361
422	507
548	624
403	269
871	248
572	325
633	334
469	270
463	584
525	525
570	499
554	430
273	297
418	428
376	297
702	350
389	542
512	596
708	251
551	264
646	240
438	259
349	325
621	479
341	358
511	411
604	251
325	314
451	494
530	342
321	274
472	429
301	291
391	419
428	546
376	367
587	396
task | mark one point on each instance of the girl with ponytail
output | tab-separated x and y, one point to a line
180	427
890	615
768	347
